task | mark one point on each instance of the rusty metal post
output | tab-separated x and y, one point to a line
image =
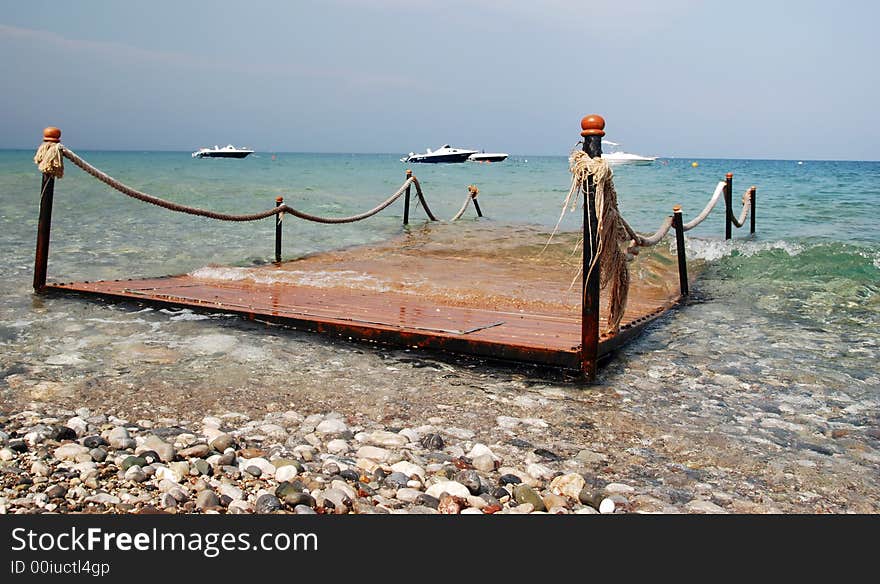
406	200
752	192
678	225
728	205
592	130
477	207
44	226
279	218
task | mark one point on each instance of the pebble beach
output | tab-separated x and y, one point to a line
321	463
535	452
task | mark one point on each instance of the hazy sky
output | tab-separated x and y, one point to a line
769	79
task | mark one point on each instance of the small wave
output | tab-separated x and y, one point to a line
713	250
317	279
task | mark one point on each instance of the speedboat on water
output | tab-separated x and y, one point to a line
445	153
228	151
621	157
487	157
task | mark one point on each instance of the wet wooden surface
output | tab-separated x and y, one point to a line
497	306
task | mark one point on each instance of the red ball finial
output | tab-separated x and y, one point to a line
51	134
593	125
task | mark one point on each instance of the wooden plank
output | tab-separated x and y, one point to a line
489	305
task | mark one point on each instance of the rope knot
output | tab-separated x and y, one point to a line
474	191
48	159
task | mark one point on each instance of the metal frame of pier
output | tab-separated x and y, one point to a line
399	319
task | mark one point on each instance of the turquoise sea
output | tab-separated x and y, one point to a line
778	353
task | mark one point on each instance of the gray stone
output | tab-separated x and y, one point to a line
331	426
339	498
426	500
179	494
386	439
618	488
18	445
135	474
119	438
509	479
422	510
396	480
103	499
165	451
299	499
94	441
267	504
338	446
231	491
484	463
304	510
222	442
470	479
432	441
588	497
98	454
56	492
590	457
202	467
207	499
697	506
408	495
70	451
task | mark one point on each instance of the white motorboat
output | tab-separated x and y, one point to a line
487	157
445	153
228	151
620	157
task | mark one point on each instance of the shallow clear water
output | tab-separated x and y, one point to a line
778	351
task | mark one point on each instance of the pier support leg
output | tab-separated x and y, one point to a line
752	192
728	205
678	225
593	129
279	218
44	228
406	200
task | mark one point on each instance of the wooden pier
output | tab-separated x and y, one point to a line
368	293
500	304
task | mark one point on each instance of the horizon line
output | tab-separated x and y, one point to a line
329	152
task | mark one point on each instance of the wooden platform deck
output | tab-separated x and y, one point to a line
408	294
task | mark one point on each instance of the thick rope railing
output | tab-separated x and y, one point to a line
716	196
649	240
473	191
614	232
134	193
747	204
49	161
